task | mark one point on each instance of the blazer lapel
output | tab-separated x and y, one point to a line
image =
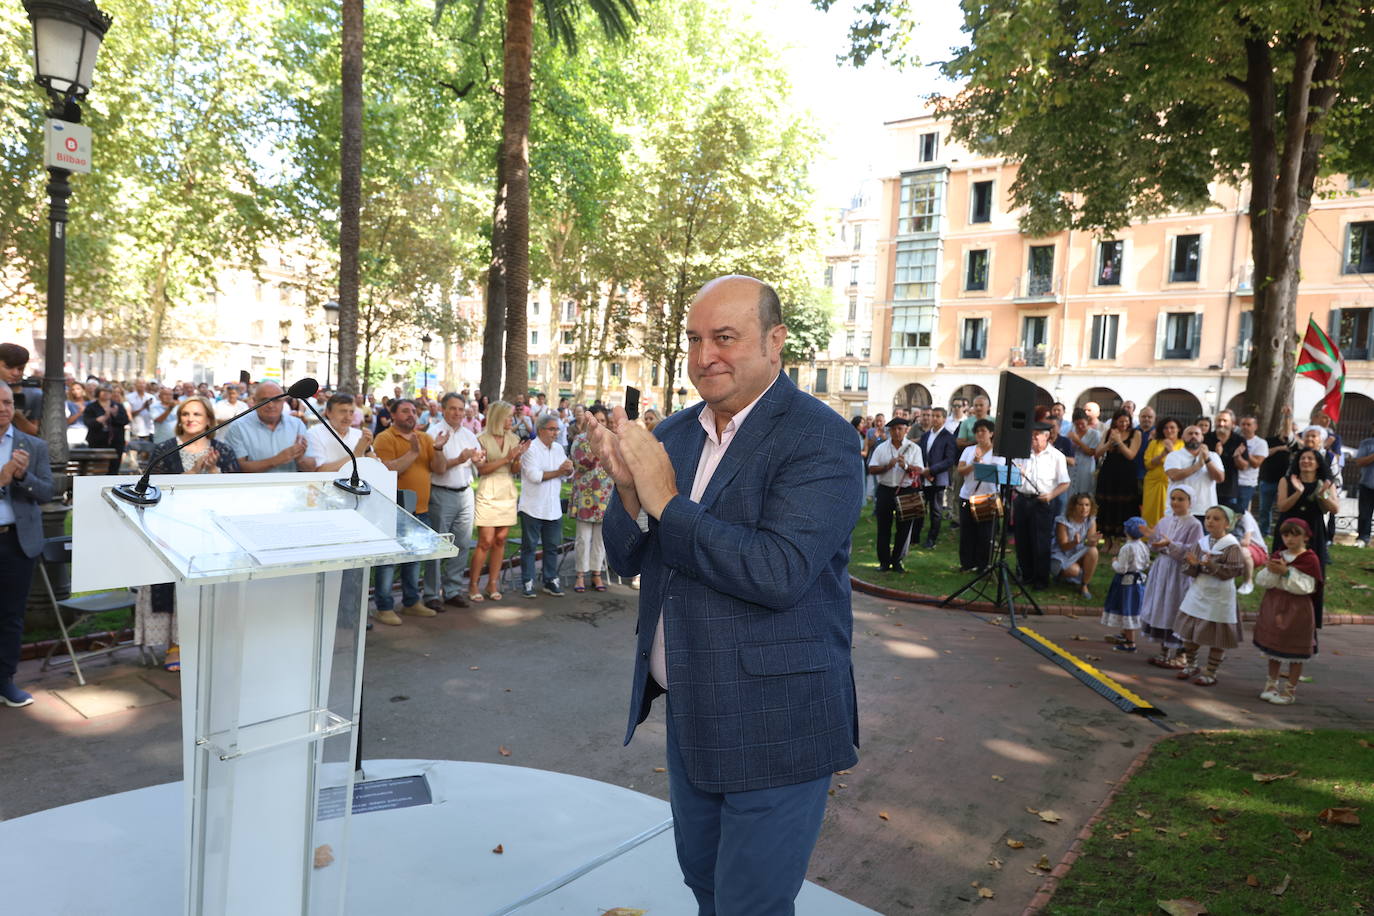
750	437
684	450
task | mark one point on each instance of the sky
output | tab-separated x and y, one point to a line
851	104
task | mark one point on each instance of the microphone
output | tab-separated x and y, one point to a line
144	493
348	484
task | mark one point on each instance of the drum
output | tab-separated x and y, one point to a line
910	506
984	507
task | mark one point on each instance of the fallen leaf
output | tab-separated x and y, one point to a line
323	855
1044	864
995	862
500	849
1032	810
1208	764
1092	658
1163	830
1283	886
1346	816
1252	880
996	778
1272	777
898	624
503	751
1363	743
1121	836
883	815
624	911
842	785
1050	817
1080	638
1142	813
474	667
1218	820
986	893
1183	907
1302	835
843	772
660	769
1015	844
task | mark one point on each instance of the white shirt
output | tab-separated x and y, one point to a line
539	497
1133	557
1042	471
321	446
972	485
1200	482
896	476
953	425
225	410
140	421
6	452
1256	450
459	440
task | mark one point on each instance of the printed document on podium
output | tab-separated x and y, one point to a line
280	537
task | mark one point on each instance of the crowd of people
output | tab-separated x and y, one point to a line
1182	512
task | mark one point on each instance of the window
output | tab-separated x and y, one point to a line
929	146
565	369
567	338
615	370
653	374
853	308
569	312
1177	334
863	378
866	346
858	237
913	330
1355	183
257	362
792	374
973	342
830	275
1187	256
1350	329
534	338
1034	338
920	204
1103	343
1359	248
1245	340
822	381
534	370
534	306
1109	258
976	276
312	367
849	344
848	378
288	365
258	330
916	267
981	209
854	274
1041	271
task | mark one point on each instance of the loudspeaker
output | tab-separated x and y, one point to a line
1015	413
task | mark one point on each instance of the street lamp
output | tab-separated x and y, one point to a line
66	38
331	318
424	359
285	346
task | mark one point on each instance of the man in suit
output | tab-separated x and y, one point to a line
25	481
744	614
941	451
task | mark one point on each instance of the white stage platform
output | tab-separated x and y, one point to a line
570	846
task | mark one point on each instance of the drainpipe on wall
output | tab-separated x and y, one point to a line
1064	312
1230	299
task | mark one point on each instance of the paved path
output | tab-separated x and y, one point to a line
963	729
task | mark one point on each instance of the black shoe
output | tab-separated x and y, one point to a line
898	568
928	545
883	567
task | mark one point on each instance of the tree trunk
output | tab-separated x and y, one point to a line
350	191
515	135
158	313
494	332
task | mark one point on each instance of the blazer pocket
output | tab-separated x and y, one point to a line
775	658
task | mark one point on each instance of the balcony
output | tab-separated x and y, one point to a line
1245	280
1037	287
1037	357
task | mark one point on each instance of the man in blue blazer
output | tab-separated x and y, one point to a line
744	615
941	450
25	482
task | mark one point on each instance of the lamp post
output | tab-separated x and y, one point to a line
331	318
285	346
424	362
66	39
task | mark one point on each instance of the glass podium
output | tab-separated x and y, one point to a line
271	575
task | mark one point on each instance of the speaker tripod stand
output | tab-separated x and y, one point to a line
997	575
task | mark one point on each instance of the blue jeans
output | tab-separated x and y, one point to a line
1268	495
533	532
410	581
1247	496
1366	511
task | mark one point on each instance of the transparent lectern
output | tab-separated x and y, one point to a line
271	574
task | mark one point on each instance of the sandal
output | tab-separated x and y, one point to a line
597	583
1086	593
494	596
1172	663
1124	647
578	586
1205	680
172	660
475	596
1187	673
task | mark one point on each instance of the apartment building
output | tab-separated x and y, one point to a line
1158	313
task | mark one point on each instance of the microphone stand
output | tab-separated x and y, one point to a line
354	484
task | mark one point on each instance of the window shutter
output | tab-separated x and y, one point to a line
982	338
1194	334
1333	327
1247	333
1094	345
1161	331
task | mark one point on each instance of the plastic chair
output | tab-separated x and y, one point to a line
57	550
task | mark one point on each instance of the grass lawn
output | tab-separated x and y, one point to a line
1194	823
1349	578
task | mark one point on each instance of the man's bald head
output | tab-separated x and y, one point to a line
770	306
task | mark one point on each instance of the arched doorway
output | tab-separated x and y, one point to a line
912	395
1178	403
969	392
1105	398
1043	398
1237	405
1357	418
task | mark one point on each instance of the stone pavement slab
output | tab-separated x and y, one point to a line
963	729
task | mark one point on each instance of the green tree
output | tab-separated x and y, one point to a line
1120	111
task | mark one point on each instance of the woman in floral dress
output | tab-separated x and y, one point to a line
591	494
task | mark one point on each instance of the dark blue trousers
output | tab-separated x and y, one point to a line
16	574
743	853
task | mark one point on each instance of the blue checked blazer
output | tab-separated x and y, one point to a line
754	588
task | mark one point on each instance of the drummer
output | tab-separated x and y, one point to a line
976	530
897	463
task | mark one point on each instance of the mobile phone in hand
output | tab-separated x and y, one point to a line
632	402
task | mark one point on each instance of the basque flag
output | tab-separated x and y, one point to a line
1321	361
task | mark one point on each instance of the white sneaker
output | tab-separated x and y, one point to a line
1361	544
1246	589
